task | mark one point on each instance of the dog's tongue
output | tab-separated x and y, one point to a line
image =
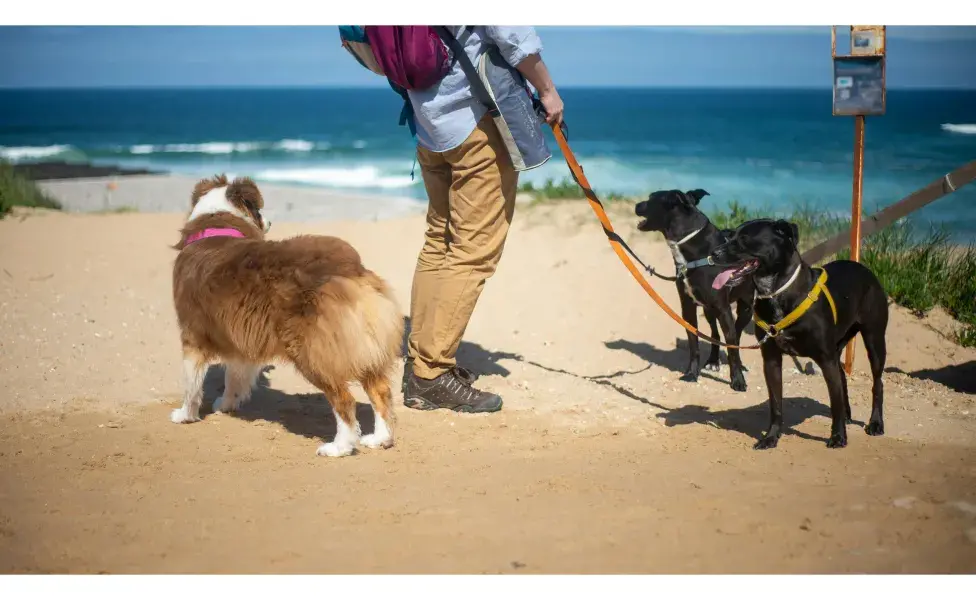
722	279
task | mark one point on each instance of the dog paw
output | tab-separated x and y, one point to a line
874	428
223	405
334	450
739	382
714	367
837	441
767	443
181	415
690	377
376	441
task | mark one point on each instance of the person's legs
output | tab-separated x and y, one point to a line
426	278
448	283
482	205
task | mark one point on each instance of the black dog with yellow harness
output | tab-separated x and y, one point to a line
802	311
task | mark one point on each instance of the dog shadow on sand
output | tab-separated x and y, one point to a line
309	415
959	378
751	421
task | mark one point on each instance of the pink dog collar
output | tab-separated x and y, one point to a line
213	232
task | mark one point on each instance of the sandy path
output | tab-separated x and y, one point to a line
601	462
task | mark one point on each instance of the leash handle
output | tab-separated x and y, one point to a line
615	242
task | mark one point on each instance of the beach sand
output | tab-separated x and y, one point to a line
601	461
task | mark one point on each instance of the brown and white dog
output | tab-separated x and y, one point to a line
247	302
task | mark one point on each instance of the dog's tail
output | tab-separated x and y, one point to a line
389	324
381	323
358	332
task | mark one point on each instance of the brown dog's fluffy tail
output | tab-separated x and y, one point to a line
387	318
357	335
379	320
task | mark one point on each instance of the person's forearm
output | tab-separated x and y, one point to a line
536	72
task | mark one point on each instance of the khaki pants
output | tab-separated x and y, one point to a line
472	199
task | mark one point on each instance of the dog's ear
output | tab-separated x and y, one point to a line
788	230
205	185
244	193
697	195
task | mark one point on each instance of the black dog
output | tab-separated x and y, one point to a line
692	238
808	316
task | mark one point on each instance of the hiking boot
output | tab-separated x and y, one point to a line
448	391
462	373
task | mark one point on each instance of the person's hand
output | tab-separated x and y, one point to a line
554	106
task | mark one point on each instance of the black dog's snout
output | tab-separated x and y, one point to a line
720	253
639	209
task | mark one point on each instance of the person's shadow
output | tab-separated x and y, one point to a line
471	356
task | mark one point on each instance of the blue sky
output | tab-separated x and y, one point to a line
577	56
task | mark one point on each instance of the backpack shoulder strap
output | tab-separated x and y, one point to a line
406	113
477	86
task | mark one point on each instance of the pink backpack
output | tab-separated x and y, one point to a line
411	57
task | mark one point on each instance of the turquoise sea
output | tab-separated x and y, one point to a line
766	148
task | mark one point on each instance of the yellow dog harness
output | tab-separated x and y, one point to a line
799	311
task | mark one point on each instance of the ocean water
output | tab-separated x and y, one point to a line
771	149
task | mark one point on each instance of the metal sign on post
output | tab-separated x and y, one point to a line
859	91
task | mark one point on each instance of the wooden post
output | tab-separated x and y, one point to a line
859	90
856	216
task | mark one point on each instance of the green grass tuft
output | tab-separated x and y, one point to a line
919	270
815	225
563	190
16	190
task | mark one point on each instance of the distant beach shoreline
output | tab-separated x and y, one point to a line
87	188
60	170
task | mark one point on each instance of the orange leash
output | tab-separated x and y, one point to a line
615	242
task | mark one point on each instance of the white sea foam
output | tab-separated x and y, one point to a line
965	128
204	148
366	176
19	153
295	146
213	147
286	145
